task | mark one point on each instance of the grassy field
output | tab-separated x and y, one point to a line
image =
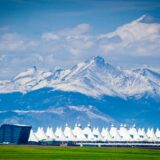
76	153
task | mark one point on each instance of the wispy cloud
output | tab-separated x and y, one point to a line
136	40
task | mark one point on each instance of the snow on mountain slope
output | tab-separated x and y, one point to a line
152	77
25	81
93	77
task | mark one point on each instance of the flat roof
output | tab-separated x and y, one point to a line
18	125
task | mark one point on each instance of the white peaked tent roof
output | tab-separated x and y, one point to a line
69	134
148	133
50	134
134	134
88	133
40	134
60	135
123	132
142	134
106	135
114	133
33	137
78	133
157	133
97	134
151	135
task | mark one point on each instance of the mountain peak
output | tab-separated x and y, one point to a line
98	59
28	72
94	77
146	71
33	68
148	19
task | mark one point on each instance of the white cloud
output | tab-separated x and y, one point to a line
50	36
71	45
69	41
80	29
10	42
136	39
13	43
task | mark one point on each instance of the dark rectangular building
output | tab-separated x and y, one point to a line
14	134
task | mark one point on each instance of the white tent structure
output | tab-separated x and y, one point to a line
88	133
142	134
50	134
78	133
105	134
97	134
114	134
123	132
40	134
157	133
69	134
33	137
151	136
60	135
134	134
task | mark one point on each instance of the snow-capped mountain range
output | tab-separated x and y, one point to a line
94	77
93	91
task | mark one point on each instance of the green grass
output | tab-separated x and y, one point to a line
76	153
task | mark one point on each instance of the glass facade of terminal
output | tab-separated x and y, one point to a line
14	134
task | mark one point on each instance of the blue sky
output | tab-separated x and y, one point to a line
48	33
103	15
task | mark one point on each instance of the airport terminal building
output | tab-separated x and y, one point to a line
14	134
91	136
121	136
